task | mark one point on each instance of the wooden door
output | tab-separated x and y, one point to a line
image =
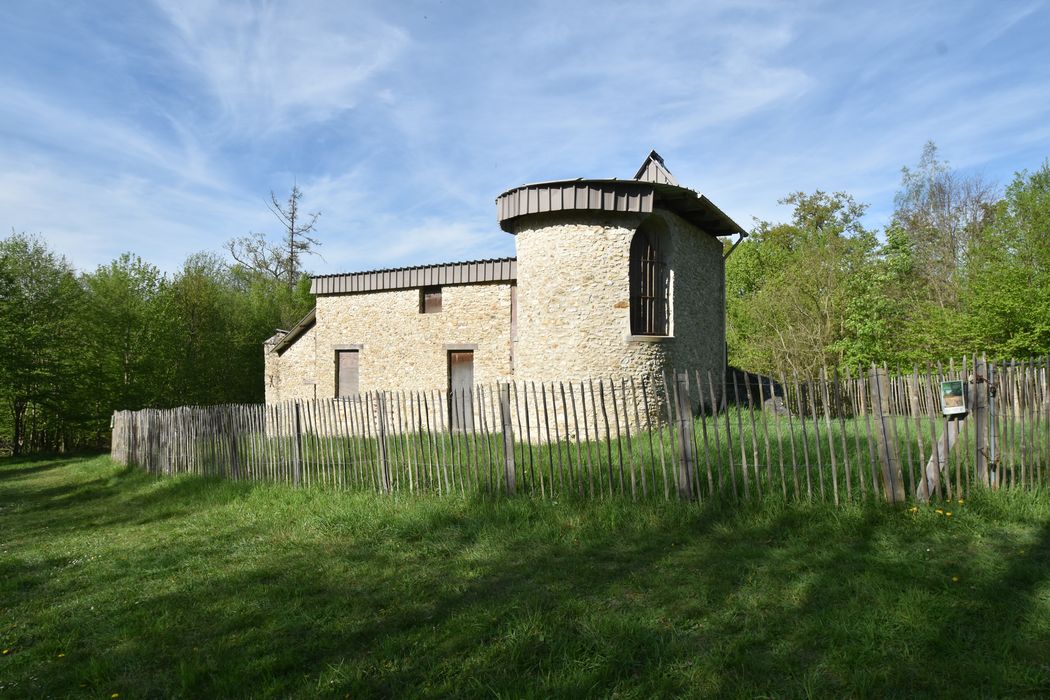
460	387
346	373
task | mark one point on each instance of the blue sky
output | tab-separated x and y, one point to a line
160	128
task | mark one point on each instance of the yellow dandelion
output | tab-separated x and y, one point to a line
961	501
955	579
61	655
5	652
115	695
949	514
938	510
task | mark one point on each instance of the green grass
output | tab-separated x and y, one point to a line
112	581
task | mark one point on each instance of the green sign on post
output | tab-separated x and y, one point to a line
953	398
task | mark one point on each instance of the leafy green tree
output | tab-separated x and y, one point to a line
202	302
41	366
275	304
125	336
125	317
877	298
1007	287
218	318
789	286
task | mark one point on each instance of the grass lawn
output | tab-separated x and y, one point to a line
112	581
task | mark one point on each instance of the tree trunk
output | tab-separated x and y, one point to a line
18	409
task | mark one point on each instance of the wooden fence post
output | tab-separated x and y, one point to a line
886	436
384	458
686	451
231	428
297	449
979	398
508	439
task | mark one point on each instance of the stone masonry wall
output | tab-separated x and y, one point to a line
271	367
296	372
698	296
574	300
401	348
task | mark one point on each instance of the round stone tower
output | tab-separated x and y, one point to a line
621	278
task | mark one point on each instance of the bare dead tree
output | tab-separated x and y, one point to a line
256	252
282	261
298	240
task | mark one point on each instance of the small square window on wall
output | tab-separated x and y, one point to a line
347	376
430	300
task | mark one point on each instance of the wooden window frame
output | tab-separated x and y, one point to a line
650	286
430	290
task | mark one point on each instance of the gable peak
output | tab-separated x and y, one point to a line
654	170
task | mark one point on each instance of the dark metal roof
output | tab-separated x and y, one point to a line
613	196
444	274
573	195
698	210
305	323
653	186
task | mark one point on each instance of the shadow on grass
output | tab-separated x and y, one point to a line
17	467
986	631
344	594
112	496
66	457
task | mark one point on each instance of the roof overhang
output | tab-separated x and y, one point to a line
445	274
298	330
614	196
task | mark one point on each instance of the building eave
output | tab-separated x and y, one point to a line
614	196
442	274
297	331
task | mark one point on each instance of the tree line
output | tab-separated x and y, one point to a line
77	346
961	267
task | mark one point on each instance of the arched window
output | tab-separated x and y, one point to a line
650	284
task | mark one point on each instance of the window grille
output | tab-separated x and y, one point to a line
650	286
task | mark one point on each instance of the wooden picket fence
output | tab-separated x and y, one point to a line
840	436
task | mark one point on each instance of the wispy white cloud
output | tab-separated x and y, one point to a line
402	122
32	119
395	241
362	226
92	221
275	65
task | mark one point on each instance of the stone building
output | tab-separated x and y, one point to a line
611	278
